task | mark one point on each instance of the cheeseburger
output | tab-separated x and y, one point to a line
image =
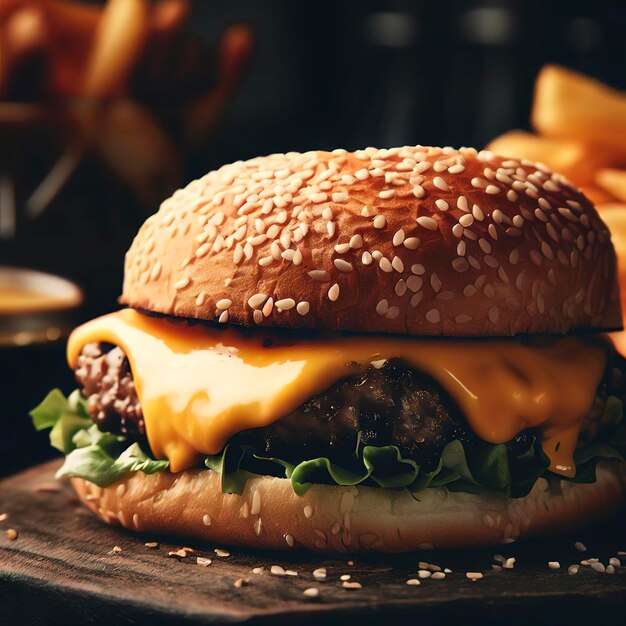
342	351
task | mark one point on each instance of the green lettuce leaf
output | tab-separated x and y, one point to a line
99	457
103	458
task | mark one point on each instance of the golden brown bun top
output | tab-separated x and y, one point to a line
418	240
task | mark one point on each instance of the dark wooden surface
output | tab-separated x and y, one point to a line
61	569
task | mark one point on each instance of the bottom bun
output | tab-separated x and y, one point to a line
347	519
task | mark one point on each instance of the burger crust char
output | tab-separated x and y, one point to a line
417	240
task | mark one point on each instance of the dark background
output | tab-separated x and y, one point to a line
325	74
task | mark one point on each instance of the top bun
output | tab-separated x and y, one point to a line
417	240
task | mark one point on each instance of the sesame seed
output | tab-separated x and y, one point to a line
492	189
416	298
321	276
385	194
598	567
398	238
366	258
419	191
573	569
182	283
311	592
462	204
284	305
342	265
442	205
319	573
413	581
333	292
351	585
460	264
257	300
277	570
456	169
382	306
221	553
433	316
380	221
473	575
339	197
362	174
435	282
223	304
418	269
411	243
427	222
424	573
397	264
385	265
356	241
440	183
511	195
554	565
400	287
466	220
478	182
414	283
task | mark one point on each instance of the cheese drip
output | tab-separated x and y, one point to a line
198	386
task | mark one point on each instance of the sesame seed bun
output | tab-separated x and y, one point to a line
418	240
347	519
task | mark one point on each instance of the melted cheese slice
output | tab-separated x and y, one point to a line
199	386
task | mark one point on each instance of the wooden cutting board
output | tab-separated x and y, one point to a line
62	569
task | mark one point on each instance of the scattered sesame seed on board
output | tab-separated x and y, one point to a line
239	583
311	592
3	517
473	576
319	573
413	582
347	584
178	553
12	534
203	561
221	553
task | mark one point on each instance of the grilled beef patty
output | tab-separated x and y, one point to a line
393	405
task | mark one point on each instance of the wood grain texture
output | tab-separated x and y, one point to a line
62	569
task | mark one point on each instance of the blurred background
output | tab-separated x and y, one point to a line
108	107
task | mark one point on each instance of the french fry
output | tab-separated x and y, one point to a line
575	160
138	151
570	105
597	195
168	17
24	38
118	43
614	216
613	181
